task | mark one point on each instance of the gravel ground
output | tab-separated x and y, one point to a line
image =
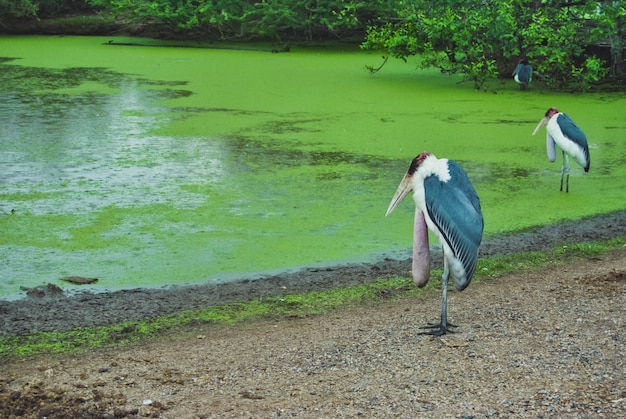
544	343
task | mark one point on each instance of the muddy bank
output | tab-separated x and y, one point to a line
56	312
542	343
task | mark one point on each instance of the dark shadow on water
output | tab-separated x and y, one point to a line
273	154
28	79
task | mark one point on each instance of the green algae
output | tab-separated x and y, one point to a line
147	166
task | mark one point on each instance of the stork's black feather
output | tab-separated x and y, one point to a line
524	72
575	134
454	207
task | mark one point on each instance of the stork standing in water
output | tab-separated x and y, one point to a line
447	203
570	139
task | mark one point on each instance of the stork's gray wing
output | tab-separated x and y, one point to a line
525	73
571	131
454	207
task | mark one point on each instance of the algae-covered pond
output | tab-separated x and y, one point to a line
153	166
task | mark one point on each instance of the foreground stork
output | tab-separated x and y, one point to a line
447	203
570	139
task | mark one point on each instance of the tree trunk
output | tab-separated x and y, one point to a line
617	56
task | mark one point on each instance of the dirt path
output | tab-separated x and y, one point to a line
545	343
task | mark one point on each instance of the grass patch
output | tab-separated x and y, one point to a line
294	305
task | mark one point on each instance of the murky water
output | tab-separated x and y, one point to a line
149	166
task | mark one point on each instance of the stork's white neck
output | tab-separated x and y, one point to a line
434	166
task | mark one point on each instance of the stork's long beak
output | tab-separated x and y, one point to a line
403	190
541	123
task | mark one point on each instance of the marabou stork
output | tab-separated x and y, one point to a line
447	203
570	139
523	73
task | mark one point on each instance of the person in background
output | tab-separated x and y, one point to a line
523	73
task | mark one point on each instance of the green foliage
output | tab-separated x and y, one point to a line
556	42
54	8
18	9
484	40
610	25
29	9
592	71
241	19
303	18
475	39
175	14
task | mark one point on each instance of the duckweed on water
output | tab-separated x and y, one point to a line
147	166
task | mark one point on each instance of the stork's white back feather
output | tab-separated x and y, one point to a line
451	208
430	166
567	145
438	167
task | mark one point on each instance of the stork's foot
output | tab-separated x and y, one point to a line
438	329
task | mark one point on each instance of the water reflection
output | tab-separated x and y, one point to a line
78	165
89	150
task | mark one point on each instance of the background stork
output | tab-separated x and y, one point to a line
447	203
571	140
523	73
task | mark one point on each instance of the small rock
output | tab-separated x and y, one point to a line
40	291
54	289
79	279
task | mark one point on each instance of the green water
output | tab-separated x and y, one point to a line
150	166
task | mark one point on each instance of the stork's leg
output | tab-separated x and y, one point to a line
562	170
444	299
567	168
443	327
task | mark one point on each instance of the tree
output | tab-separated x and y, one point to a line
473	38
17	9
484	39
248	19
610	25
304	19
